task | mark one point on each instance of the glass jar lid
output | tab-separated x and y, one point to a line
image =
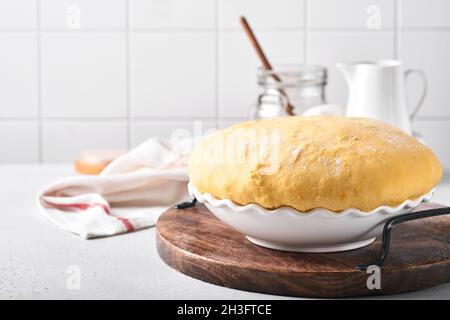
292	75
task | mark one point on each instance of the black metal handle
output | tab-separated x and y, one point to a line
393	222
387	229
186	204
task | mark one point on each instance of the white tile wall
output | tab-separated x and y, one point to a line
19	142
141	130
173	75
83	75
172	14
80	74
424	13
262	13
429	51
349	13
62	141
18	76
18	14
83	14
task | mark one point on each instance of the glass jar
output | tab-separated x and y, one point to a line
289	89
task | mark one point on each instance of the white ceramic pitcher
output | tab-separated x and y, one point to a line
377	90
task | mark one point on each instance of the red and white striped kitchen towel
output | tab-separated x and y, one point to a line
128	195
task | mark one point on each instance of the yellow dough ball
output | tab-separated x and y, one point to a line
314	162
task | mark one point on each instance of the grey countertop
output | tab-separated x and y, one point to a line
37	258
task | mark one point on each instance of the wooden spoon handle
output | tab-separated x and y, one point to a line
262	57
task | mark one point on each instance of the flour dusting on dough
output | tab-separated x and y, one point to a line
337	165
295	152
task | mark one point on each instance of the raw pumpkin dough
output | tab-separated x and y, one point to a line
314	162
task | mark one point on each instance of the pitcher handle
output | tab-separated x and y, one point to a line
424	91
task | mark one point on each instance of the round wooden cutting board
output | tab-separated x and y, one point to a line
197	244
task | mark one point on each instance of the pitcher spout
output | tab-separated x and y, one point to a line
347	70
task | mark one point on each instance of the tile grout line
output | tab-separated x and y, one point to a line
34	120
216	62
396	29
58	31
306	32
39	83
127	74
222	30
99	119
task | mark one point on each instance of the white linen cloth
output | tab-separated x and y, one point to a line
128	195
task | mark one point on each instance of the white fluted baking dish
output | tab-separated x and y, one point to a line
317	230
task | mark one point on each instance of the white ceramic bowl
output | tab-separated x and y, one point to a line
318	230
